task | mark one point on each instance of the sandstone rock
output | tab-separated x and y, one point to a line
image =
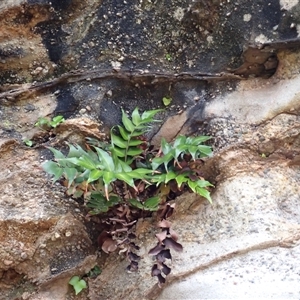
268	273
232	71
250	215
233	244
75	130
40	240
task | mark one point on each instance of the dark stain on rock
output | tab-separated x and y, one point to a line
52	36
287	28
66	260
9	77
204	91
24	17
61	5
144	97
271	14
203	15
116	31
195	118
56	4
66	103
51	32
11	51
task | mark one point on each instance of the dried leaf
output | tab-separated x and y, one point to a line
193	177
157	249
141	186
102	237
123	242
122	211
166	253
164	224
131	223
155	271
166	211
133	257
161	236
164	190
172	205
109	245
173	186
133	267
162	255
169	211
116	220
165	269
161	279
162	211
131	236
133	245
173	234
170	243
119	230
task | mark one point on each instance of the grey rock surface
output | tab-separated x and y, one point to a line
265	274
253	243
250	220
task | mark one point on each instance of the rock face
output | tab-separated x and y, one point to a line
243	248
39	238
231	70
253	221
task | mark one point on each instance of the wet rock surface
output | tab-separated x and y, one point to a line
231	70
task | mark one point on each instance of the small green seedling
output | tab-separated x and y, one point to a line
93	273
44	122
168	57
28	142
78	284
167	101
56	121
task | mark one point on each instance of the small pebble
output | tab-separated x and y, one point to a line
68	233
7	262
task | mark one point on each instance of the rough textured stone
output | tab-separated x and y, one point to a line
261	274
249	213
203	39
40	240
231	69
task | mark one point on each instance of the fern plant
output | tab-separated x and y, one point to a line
95	172
89	172
127	178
